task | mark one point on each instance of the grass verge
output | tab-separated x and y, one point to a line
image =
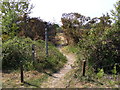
91	79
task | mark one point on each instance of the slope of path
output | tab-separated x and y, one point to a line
57	79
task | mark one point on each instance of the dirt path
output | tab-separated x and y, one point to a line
57	79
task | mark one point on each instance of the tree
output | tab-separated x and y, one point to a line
101	45
115	34
116	12
12	14
72	23
35	29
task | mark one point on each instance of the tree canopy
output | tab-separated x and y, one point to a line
12	14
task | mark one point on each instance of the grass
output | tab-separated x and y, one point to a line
91	80
80	81
34	73
32	79
36	82
73	49
14	52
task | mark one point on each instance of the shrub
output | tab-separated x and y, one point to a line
16	50
102	51
20	49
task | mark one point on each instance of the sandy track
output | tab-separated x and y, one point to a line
57	79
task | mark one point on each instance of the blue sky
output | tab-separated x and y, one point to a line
51	10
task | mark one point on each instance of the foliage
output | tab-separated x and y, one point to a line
91	79
35	29
100	45
14	51
114	71
16	22
100	73
20	49
72	22
116	12
12	13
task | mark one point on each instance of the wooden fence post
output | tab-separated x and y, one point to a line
21	70
83	68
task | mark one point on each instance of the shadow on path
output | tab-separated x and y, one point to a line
30	84
50	74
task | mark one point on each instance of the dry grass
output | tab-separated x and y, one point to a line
12	80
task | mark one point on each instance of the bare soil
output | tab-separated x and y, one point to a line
57	80
12	79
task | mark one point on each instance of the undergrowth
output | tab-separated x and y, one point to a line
20	49
98	79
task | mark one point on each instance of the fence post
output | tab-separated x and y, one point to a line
46	41
33	52
83	68
21	70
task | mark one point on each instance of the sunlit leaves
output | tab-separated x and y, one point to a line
72	23
101	44
11	11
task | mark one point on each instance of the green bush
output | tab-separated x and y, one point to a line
101	44
14	51
53	62
102	50
20	49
